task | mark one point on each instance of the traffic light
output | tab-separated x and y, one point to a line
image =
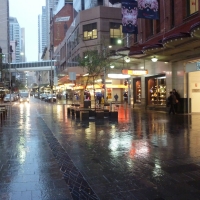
0	50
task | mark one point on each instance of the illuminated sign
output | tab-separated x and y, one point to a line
61	19
134	72
118	76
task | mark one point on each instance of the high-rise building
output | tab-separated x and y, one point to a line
61	4
23	55
15	35
4	30
42	32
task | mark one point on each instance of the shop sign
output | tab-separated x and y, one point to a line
198	66
134	72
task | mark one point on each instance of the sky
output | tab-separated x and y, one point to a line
26	12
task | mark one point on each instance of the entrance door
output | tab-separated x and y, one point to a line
195	96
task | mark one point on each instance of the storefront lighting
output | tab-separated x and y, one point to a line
127	59
118	76
119	41
98	80
154	59
134	72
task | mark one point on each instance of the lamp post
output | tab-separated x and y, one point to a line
51	74
10	85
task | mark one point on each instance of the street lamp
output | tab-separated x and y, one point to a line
51	74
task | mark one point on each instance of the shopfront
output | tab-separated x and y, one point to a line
156	90
137	90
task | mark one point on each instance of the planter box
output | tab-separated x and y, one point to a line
113	115
84	115
99	115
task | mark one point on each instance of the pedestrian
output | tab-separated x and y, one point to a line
116	97
176	106
172	102
126	97
102	102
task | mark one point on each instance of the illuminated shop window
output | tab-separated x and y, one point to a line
192	6
115	32
90	31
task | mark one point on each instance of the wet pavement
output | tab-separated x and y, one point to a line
47	155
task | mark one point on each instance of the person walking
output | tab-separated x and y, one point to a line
116	97
176	106
172	102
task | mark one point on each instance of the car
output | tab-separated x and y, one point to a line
50	97
8	98
24	97
43	96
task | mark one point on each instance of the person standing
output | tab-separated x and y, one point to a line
176	106
116	97
125	97
172	102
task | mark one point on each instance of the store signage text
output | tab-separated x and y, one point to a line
134	72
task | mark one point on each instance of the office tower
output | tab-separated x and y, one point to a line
4	30
42	32
15	35
23	55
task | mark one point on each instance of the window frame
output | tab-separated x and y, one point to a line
90	30
189	12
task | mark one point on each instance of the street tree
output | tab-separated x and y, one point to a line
95	63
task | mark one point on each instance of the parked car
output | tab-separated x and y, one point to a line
50	97
8	98
43	96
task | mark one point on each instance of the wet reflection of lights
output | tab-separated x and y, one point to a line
21	154
139	149
157	169
25	115
119	145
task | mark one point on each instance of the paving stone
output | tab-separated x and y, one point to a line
143	155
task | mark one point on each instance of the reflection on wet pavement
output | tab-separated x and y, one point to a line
46	154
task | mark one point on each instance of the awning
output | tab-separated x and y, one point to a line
114	1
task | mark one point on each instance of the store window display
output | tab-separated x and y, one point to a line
137	92
157	91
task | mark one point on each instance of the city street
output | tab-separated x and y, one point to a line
144	155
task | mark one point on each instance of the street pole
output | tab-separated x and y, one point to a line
104	74
9	61
51	79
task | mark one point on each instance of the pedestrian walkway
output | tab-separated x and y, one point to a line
46	154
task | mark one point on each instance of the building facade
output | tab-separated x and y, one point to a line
23	52
172	40
15	35
4	30
42	33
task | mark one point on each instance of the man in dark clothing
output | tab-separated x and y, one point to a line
176	106
172	102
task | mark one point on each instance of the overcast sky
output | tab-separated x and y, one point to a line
26	12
